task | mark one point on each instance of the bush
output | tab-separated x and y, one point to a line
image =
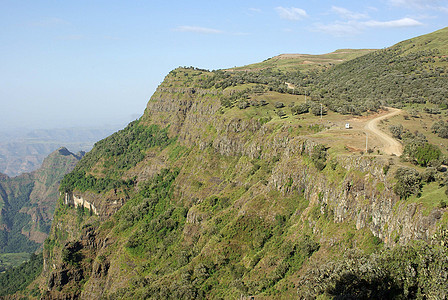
415	271
429	175
426	153
302	108
243	104
396	130
281	113
441	128
317	109
279	105
263	102
408	182
319	156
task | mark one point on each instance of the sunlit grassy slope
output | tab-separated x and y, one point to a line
306	62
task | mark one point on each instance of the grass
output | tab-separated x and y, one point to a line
435	40
305	62
432	197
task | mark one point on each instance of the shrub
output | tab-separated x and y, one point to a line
426	153
319	156
408	182
263	102
414	271
396	130
281	113
429	175
279	105
302	108
441	128
317	109
243	104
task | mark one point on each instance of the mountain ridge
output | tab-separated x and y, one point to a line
232	185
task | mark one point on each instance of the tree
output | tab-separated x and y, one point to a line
441	128
279	104
281	113
243	104
317	109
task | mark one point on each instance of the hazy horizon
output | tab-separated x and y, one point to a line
84	63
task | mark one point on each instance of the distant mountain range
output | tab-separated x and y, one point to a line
23	151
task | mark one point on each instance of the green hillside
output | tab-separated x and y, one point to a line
240	184
305	62
410	73
433	41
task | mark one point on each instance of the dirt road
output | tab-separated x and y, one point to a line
390	145
290	85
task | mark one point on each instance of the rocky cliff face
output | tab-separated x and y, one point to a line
367	200
243	190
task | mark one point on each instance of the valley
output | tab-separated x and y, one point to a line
234	185
27	204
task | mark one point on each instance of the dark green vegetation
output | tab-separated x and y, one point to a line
411	72
268	80
28	201
408	182
226	187
415	271
13	240
177	257
8	260
416	147
118	153
441	128
18	278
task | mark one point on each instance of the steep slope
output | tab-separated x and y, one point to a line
231	185
28	202
203	199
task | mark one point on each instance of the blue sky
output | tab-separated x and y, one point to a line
89	63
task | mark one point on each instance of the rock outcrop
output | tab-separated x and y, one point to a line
230	168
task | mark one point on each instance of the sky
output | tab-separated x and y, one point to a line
81	63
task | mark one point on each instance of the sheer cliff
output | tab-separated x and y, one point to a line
200	200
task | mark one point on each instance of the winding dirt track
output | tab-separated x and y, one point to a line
390	145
